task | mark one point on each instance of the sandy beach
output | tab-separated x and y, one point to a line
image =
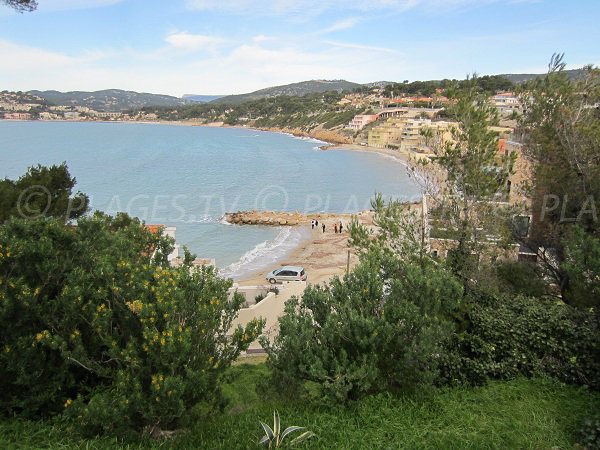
322	254
402	156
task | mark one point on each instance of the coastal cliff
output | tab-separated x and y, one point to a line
330	136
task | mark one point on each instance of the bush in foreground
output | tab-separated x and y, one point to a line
509	337
377	329
94	322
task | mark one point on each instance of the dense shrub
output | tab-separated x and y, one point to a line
589	433
94	322
519	278
516	336
377	329
582	267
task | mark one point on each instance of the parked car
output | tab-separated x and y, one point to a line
287	273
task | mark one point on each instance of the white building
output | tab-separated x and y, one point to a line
361	120
506	103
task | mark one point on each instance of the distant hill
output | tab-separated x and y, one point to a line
294	89
201	98
378	84
110	100
573	74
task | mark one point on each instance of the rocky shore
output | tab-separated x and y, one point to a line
330	136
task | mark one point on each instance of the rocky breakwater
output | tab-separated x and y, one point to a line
276	218
264	218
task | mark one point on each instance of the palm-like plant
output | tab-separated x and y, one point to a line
274	438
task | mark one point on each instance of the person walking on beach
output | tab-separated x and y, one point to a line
341	226
335	228
316	223
323	228
312	224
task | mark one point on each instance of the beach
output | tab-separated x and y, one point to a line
322	254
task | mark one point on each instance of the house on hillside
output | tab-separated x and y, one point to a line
361	120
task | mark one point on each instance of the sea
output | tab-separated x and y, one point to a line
189	177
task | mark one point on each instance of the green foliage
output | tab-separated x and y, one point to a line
510	337
582	266
589	434
465	178
510	414
560	128
377	329
275	438
95	323
21	5
42	192
519	278
488	84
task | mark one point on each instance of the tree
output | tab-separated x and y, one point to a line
427	133
561	134
464	181
42	192
582	266
22	5
377	329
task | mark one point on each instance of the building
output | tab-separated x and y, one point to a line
17	116
408	133
506	103
361	120
71	115
49	116
388	134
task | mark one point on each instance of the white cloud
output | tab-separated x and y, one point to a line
25	68
193	42
262	38
315	7
360	47
340	25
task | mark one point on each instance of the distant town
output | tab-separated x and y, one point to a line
380	115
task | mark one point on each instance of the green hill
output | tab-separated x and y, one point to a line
292	90
109	100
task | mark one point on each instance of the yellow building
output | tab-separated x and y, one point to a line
408	134
387	134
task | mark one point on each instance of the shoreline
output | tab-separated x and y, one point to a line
402	156
323	255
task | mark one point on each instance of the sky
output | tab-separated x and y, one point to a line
222	47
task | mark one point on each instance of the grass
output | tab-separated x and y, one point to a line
535	414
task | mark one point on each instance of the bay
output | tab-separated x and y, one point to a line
189	177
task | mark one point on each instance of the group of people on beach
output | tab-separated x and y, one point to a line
337	228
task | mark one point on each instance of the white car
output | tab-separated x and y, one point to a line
287	273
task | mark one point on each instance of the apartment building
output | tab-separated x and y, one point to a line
410	134
361	120
506	103
388	134
17	116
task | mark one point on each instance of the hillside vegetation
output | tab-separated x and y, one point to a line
291	90
110	100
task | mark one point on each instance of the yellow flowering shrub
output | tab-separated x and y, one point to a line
96	325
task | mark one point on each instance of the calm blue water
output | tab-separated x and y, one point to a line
190	177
